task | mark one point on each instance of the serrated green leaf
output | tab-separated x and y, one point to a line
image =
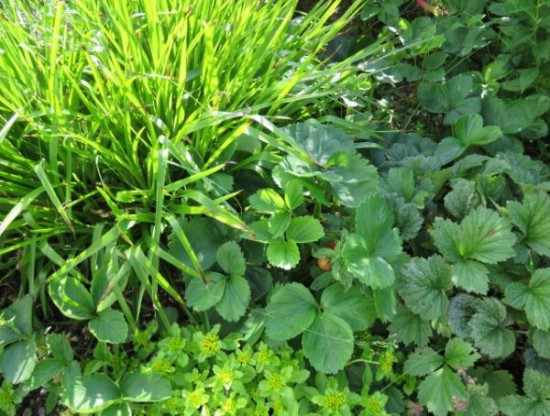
202	296
352	306
448	150
488	329
138	387
532	217
60	347
501	383
424	286
434	97
110	326
479	403
460	354
328	343
278	223
231	259
440	390
534	298
294	194
304	230
523	406
267	201
283	254
541	343
410	328
461	309
471	276
45	370
90	394
290	311
482	235
536	384
385	302
423	361
236	297
18	361
470	131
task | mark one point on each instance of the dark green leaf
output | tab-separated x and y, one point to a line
535	298
423	361
290	311
440	390
202	296
488	329
328	343
460	354
231	259
20	312
532	217
409	328
541	343
352	306
90	394
18	361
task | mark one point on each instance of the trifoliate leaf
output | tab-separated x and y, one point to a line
424	286
460	354
294	194
470	131
462	198
236	297
482	235
372	271
488	329
267	201
202	296
471	276
352	306
534	298
304	230
283	254
532	217
461	309
290	311
110	326
440	390
231	259
328	343
541	343
423	361
408	218
409	328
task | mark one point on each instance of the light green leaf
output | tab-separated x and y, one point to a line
532	217
460	354
110	327
423	361
267	201
202	296
471	276
294	194
60	347
328	343
385	302
90	394
447	235
541	343
278	223
410	328
290	311
138	387
304	230
534	298
117	409
352	306
18	361
231	259
488	329
283	254
536	384
425	283
72	298
235	299
439	391
45	370
523	406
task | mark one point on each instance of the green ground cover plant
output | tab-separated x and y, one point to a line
228	208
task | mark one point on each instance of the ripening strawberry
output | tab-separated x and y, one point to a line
324	264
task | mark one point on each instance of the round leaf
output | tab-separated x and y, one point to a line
110	327
290	311
283	254
328	344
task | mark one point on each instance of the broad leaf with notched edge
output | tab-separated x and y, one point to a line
488	329
537	403
410	328
352	306
423	361
304	230
294	194
460	354
532	217
236	297
439	391
202	296
424	286
231	259
283	254
290	311
328	343
471	276
541	343
470	131
110	326
534	298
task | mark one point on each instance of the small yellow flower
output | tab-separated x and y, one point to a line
210	344
334	401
